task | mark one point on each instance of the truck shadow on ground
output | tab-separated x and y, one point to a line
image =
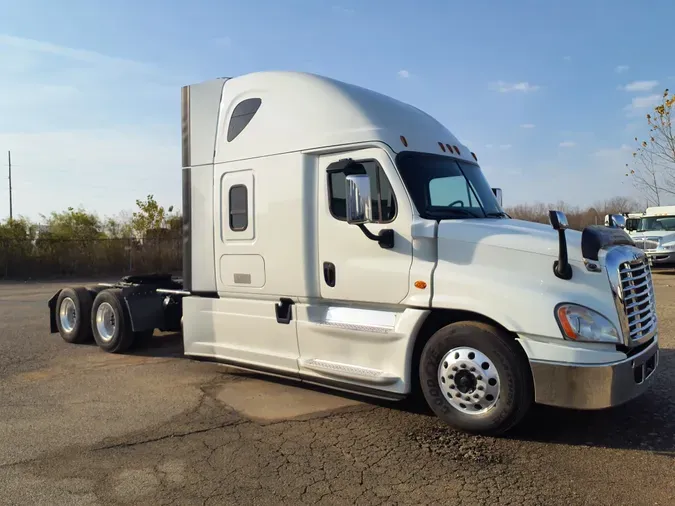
646	423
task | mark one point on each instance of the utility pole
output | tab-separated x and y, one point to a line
9	159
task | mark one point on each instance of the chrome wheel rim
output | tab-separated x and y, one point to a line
68	314
105	321
469	380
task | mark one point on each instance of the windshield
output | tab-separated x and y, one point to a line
444	188
632	224
656	223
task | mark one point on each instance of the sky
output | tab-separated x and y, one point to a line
548	94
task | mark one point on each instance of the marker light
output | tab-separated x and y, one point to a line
442	146
404	141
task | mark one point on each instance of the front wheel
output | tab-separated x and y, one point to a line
476	378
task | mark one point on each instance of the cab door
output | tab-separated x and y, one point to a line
354	268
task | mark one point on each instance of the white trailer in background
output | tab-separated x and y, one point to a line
340	237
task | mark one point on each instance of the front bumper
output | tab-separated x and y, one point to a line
595	386
661	257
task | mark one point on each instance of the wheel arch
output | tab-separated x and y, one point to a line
434	321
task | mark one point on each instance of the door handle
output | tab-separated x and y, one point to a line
329	273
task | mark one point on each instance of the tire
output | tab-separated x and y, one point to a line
504	391
113	335
77	302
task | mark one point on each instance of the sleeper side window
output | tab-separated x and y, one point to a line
241	117
238	208
383	199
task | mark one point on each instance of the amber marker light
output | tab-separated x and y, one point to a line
420	284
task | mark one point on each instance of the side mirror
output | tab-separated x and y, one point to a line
359	202
498	195
558	220
561	267
617	221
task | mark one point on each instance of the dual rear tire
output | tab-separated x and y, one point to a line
82	315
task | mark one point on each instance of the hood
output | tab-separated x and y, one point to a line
512	234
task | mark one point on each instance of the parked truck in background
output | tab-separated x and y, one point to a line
632	221
340	237
655	235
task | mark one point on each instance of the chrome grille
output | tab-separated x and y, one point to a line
647	243
638	298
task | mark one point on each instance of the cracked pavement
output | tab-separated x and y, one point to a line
82	427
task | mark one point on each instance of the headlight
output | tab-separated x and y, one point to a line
579	323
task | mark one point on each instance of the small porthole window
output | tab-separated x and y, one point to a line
241	116
238	208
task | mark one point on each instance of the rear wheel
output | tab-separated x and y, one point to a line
476	378
110	322
73	311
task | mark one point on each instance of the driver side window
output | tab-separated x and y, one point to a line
444	191
384	201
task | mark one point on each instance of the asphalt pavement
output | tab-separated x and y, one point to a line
82	427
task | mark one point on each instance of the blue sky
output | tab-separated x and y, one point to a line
549	94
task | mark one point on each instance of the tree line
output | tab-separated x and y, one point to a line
76	242
578	217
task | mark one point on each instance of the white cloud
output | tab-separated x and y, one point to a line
567	144
527	125
94	168
404	74
489	146
80	55
639	104
342	10
77	124
640	86
567	58
523	87
621	68
505	146
613	152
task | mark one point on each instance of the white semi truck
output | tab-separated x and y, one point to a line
655	234
340	237
631	222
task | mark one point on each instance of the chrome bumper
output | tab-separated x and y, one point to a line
660	257
594	386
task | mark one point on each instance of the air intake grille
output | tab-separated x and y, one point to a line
647	243
638	298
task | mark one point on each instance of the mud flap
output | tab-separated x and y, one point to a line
53	329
